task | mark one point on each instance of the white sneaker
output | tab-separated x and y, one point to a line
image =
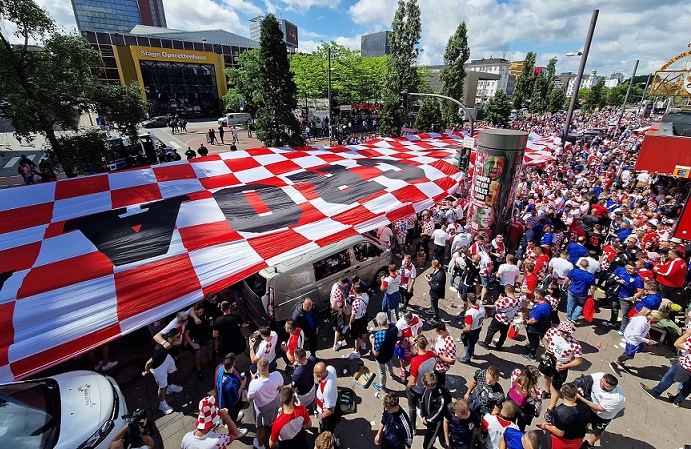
165	408
355	355
453	289
243	432
338	345
363	346
109	366
173	389
240	416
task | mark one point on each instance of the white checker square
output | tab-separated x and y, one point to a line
216	263
170	189
131	178
207	169
253	174
320	229
24	196
198	212
80	206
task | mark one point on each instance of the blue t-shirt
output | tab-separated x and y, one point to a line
581	281
228	386
623	234
512	437
650	302
576	251
540	310
546	239
632	282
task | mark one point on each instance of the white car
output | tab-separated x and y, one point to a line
75	410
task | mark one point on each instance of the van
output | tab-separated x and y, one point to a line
272	294
235	118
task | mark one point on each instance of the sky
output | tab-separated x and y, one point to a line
626	30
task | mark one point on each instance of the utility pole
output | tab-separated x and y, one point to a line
626	98
329	94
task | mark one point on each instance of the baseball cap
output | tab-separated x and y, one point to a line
208	413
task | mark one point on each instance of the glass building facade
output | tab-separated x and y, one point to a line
375	44
180	88
117	16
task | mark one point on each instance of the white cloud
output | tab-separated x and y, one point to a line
308	46
349	42
240	5
270	7
378	13
302	6
203	15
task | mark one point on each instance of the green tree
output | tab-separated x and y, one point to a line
453	74
524	83
429	117
544	84
277	125
595	98
401	73
244	82
50	87
498	109
556	100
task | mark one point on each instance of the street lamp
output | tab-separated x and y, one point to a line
579	76
329	94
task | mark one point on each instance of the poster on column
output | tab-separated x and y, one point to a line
495	172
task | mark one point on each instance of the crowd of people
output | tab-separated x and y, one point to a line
584	223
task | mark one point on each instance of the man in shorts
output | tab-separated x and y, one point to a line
602	393
263	391
161	364
204	436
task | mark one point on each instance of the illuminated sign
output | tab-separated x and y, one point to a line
160	54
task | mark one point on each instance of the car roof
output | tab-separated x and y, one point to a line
314	256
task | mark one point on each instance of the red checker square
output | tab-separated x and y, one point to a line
424	145
201	195
400	213
273	181
174	172
370	153
404	155
438	154
330	158
307	190
70	188
445	167
216	182
447	184
19	257
52	356
209	234
354	216
409	194
339	149
349	232
244	163
7	334
262	151
154	284
366	172
424	136
65	272
25	217
236	277
266	246
135	195
372	196
294	154
282	167
310	214
55	229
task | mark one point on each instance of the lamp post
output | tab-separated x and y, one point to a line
626	97
579	76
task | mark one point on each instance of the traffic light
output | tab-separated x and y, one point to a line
403	101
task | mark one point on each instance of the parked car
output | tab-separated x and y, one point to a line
78	409
272	294
155	122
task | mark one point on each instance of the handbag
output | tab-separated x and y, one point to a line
347	401
589	309
513	331
548	364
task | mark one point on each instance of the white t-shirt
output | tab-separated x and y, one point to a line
211	440
327	393
267	349
391	284
508	274
440	237
560	268
385	234
476	316
265	390
612	401
495	430
462	239
593	265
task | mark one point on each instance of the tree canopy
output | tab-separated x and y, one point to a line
276	124
50	87
453	73
401	71
498	109
524	83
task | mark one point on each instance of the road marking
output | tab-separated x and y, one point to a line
11	162
32	156
175	145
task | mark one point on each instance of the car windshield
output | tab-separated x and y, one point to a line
29	415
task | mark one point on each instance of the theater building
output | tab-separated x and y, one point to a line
180	72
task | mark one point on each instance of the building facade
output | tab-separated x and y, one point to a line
179	72
375	44
117	16
289	30
486	89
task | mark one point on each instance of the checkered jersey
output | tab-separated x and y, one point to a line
685	360
563	349
86	260
445	346
505	309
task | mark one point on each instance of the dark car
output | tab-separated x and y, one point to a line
155	122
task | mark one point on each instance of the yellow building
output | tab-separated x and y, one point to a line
516	68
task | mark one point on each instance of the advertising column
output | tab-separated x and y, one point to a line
498	163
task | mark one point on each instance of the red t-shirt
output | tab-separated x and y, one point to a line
529	283
288	425
574	233
419	360
600	210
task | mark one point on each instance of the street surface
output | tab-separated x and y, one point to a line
646	424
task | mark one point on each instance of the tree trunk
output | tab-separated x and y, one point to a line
60	155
